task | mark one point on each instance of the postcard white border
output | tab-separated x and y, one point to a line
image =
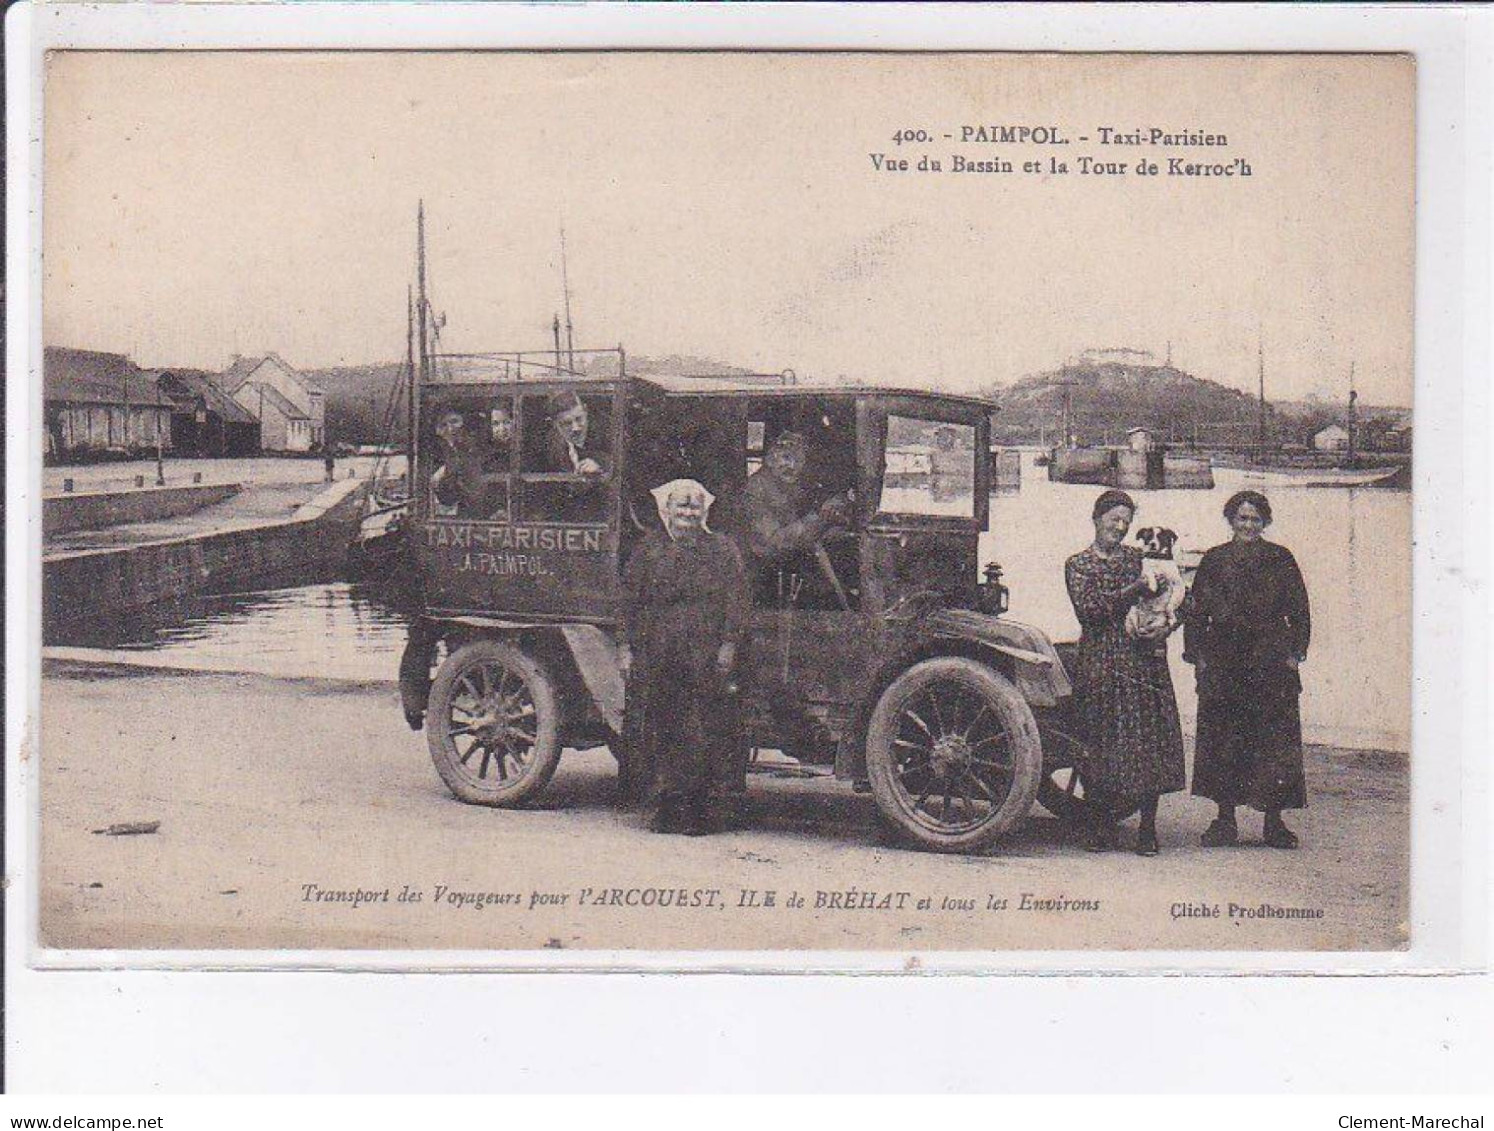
1451	809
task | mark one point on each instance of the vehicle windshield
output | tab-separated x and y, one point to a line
929	468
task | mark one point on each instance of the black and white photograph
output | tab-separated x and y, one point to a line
512	502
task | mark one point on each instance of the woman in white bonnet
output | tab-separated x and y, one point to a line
684	620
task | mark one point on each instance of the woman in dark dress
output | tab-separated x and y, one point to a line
685	616
1246	634
1127	712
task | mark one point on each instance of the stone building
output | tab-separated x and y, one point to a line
1334	438
97	405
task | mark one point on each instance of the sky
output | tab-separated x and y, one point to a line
198	205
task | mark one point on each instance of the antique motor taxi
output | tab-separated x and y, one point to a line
531	487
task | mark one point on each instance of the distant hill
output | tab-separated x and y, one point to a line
1337	410
1108	397
357	402
676	365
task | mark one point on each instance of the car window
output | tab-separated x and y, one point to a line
756	431
928	468
567	434
468	439
566	458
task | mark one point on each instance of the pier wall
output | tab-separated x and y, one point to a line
127	581
62	514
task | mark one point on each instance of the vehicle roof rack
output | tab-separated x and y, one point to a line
519	366
783	377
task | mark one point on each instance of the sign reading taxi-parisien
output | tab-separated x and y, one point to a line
524	567
525	550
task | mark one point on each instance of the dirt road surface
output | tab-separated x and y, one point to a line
279	801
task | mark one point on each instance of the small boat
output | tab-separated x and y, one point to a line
1310	476
380	543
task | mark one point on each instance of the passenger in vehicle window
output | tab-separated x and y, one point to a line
775	527
501	430
470	483
571	445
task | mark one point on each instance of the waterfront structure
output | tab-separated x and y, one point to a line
291	408
206	421
1139	466
100	404
1334	438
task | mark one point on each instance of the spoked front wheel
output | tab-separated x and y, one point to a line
494	724
953	755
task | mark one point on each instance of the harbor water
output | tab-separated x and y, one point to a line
1354	547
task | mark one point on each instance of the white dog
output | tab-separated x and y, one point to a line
1152	618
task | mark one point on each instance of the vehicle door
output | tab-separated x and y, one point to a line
517	520
808	639
926	490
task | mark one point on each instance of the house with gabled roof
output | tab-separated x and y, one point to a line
283	427
206	421
296	405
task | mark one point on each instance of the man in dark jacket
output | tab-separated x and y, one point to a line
778	534
570	445
571	448
775	527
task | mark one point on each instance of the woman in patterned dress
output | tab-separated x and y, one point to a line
1127	712
1246	637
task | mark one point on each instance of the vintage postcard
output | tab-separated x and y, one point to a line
726	502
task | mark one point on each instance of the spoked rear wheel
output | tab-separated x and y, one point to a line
953	755
494	724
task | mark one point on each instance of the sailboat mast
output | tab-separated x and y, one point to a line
410	392
418	371
421	301
565	285
1353	415
1260	430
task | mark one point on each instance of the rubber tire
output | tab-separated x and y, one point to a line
546	755
1016	717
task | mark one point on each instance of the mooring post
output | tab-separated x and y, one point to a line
67	486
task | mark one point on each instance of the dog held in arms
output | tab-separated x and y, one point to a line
1152	618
